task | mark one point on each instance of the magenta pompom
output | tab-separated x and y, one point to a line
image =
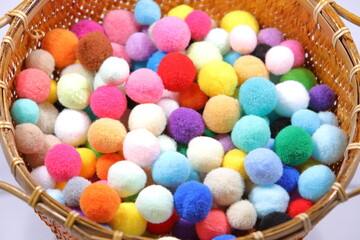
199	24
86	26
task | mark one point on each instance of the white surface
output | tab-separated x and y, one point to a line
19	222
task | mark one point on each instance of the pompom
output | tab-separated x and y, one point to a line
279	124
279	60
217	77
270	36
155	203
149	116
164	227
321	97
215	224
235	159
42	177
273	219
250	132
167	143
329	144
114	71
238	17
328	118
104	162
42	60
293	145
141	147
258	96
73	190
203	52
263	166
28	138
226	142
139	46
193	97
47	117
86	26
79	69
199	24
302	75
185	124
193	201
126	178
243	39
168	105
289	179
33	84
25	111
147	12
99	202
180	11
231	57
260	51
177	71
205	153
306	119
71	127
154	61
298	206
63	162
184	229
88	160
249	66
221	113
268	199
224	237
226	185
57	195
119	51
292	96
220	38
52	98
315	182
298	51
241	215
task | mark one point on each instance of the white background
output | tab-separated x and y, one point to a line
19	222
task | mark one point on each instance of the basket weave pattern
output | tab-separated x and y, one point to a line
332	65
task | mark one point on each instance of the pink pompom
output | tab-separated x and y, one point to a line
279	60
63	162
243	39
298	51
108	102
119	25
171	34
199	24
86	26
120	52
215	224
33	84
144	86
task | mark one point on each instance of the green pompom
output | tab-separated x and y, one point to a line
301	75
131	198
182	148
293	145
98	154
209	133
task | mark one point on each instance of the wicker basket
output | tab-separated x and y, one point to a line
331	55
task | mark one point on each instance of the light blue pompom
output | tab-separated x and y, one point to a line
315	182
25	111
171	169
147	12
231	57
263	166
270	144
194	176
57	195
154	61
268	199
258	96
306	119
250	132
328	118
329	144
224	237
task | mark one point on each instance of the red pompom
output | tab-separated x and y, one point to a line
162	228
215	224
298	206
177	71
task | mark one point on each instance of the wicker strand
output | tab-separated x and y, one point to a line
117	235
321	4
3	85
10	41
355	111
258	235
71	218
353	146
35	196
36	34
338	34
340	191
14	163
353	71
305	219
7	125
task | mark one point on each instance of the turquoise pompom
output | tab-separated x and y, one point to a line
25	111
231	57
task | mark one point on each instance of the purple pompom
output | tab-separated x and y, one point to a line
226	142
185	124
321	97
139	47
184	229
84	27
270	36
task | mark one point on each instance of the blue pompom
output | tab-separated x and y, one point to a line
147	12
154	61
171	169
194	176
306	119
263	166
25	111
135	65
250	132
269	198
193	201
329	144
315	182
57	195
224	237
231	57
258	96
328	118
289	178
270	144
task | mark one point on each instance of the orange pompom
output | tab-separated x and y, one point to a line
105	162
60	185
62	44
99	202
193	97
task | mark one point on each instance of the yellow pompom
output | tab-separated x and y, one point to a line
235	159
236	18
309	163
180	11
52	98
128	220
88	159
217	77
60	185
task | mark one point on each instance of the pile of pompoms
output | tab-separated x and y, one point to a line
177	126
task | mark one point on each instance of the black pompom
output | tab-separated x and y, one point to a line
131	103
277	125
273	219
59	106
260	51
